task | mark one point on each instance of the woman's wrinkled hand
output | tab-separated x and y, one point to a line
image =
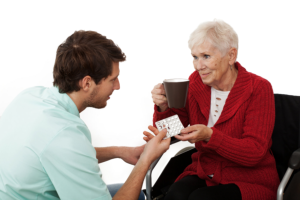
195	133
159	97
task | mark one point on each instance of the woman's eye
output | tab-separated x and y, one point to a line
195	57
206	56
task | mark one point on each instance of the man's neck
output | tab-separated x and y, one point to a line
78	100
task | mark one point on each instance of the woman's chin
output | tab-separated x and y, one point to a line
206	81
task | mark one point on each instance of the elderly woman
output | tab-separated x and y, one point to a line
231	114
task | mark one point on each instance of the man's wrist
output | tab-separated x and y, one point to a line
119	151
144	161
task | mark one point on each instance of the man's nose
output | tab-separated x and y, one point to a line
117	84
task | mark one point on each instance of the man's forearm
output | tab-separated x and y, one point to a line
108	153
132	187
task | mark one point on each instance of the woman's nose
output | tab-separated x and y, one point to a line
200	65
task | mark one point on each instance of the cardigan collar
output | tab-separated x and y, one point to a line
240	92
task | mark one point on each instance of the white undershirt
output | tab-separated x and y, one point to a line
217	102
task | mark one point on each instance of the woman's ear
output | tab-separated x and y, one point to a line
232	55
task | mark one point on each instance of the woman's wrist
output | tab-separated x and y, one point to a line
162	108
209	134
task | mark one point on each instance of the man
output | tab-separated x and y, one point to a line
45	148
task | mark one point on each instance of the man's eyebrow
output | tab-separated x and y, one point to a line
114	77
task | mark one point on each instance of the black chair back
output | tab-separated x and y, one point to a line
286	131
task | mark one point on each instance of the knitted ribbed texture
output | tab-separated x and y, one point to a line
239	149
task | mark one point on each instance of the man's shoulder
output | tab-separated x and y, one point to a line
42	117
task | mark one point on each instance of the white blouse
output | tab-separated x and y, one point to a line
217	102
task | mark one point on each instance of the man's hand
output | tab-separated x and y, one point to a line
156	146
195	133
131	154
153	149
149	136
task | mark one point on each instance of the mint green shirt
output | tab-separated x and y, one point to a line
46	151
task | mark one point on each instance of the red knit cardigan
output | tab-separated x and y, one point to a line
239	149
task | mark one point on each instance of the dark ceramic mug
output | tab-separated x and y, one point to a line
176	91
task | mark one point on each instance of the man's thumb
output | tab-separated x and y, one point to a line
162	134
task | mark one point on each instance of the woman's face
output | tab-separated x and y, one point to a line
210	64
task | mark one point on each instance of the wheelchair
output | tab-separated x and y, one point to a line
285	148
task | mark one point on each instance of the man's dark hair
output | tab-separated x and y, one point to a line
84	53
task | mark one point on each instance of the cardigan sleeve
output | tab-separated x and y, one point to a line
258	126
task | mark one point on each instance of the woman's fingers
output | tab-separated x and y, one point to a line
159	95
184	137
190	129
158	92
159	99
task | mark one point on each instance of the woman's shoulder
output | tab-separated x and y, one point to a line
255	80
259	82
193	76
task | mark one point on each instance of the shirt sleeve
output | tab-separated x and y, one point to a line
71	164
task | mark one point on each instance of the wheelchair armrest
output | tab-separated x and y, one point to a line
294	162
175	166
149	173
148	179
174	140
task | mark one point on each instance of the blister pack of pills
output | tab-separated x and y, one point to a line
172	124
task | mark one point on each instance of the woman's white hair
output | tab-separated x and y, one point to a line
218	33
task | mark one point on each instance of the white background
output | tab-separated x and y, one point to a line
153	35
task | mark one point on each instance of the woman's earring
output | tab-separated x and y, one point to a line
231	67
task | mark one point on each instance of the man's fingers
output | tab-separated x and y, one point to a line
161	134
153	129
146	139
149	135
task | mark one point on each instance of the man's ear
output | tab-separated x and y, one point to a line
86	83
232	55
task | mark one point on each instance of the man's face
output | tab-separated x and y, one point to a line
102	91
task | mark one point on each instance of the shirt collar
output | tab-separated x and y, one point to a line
65	101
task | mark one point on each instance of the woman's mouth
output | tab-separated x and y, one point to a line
204	75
